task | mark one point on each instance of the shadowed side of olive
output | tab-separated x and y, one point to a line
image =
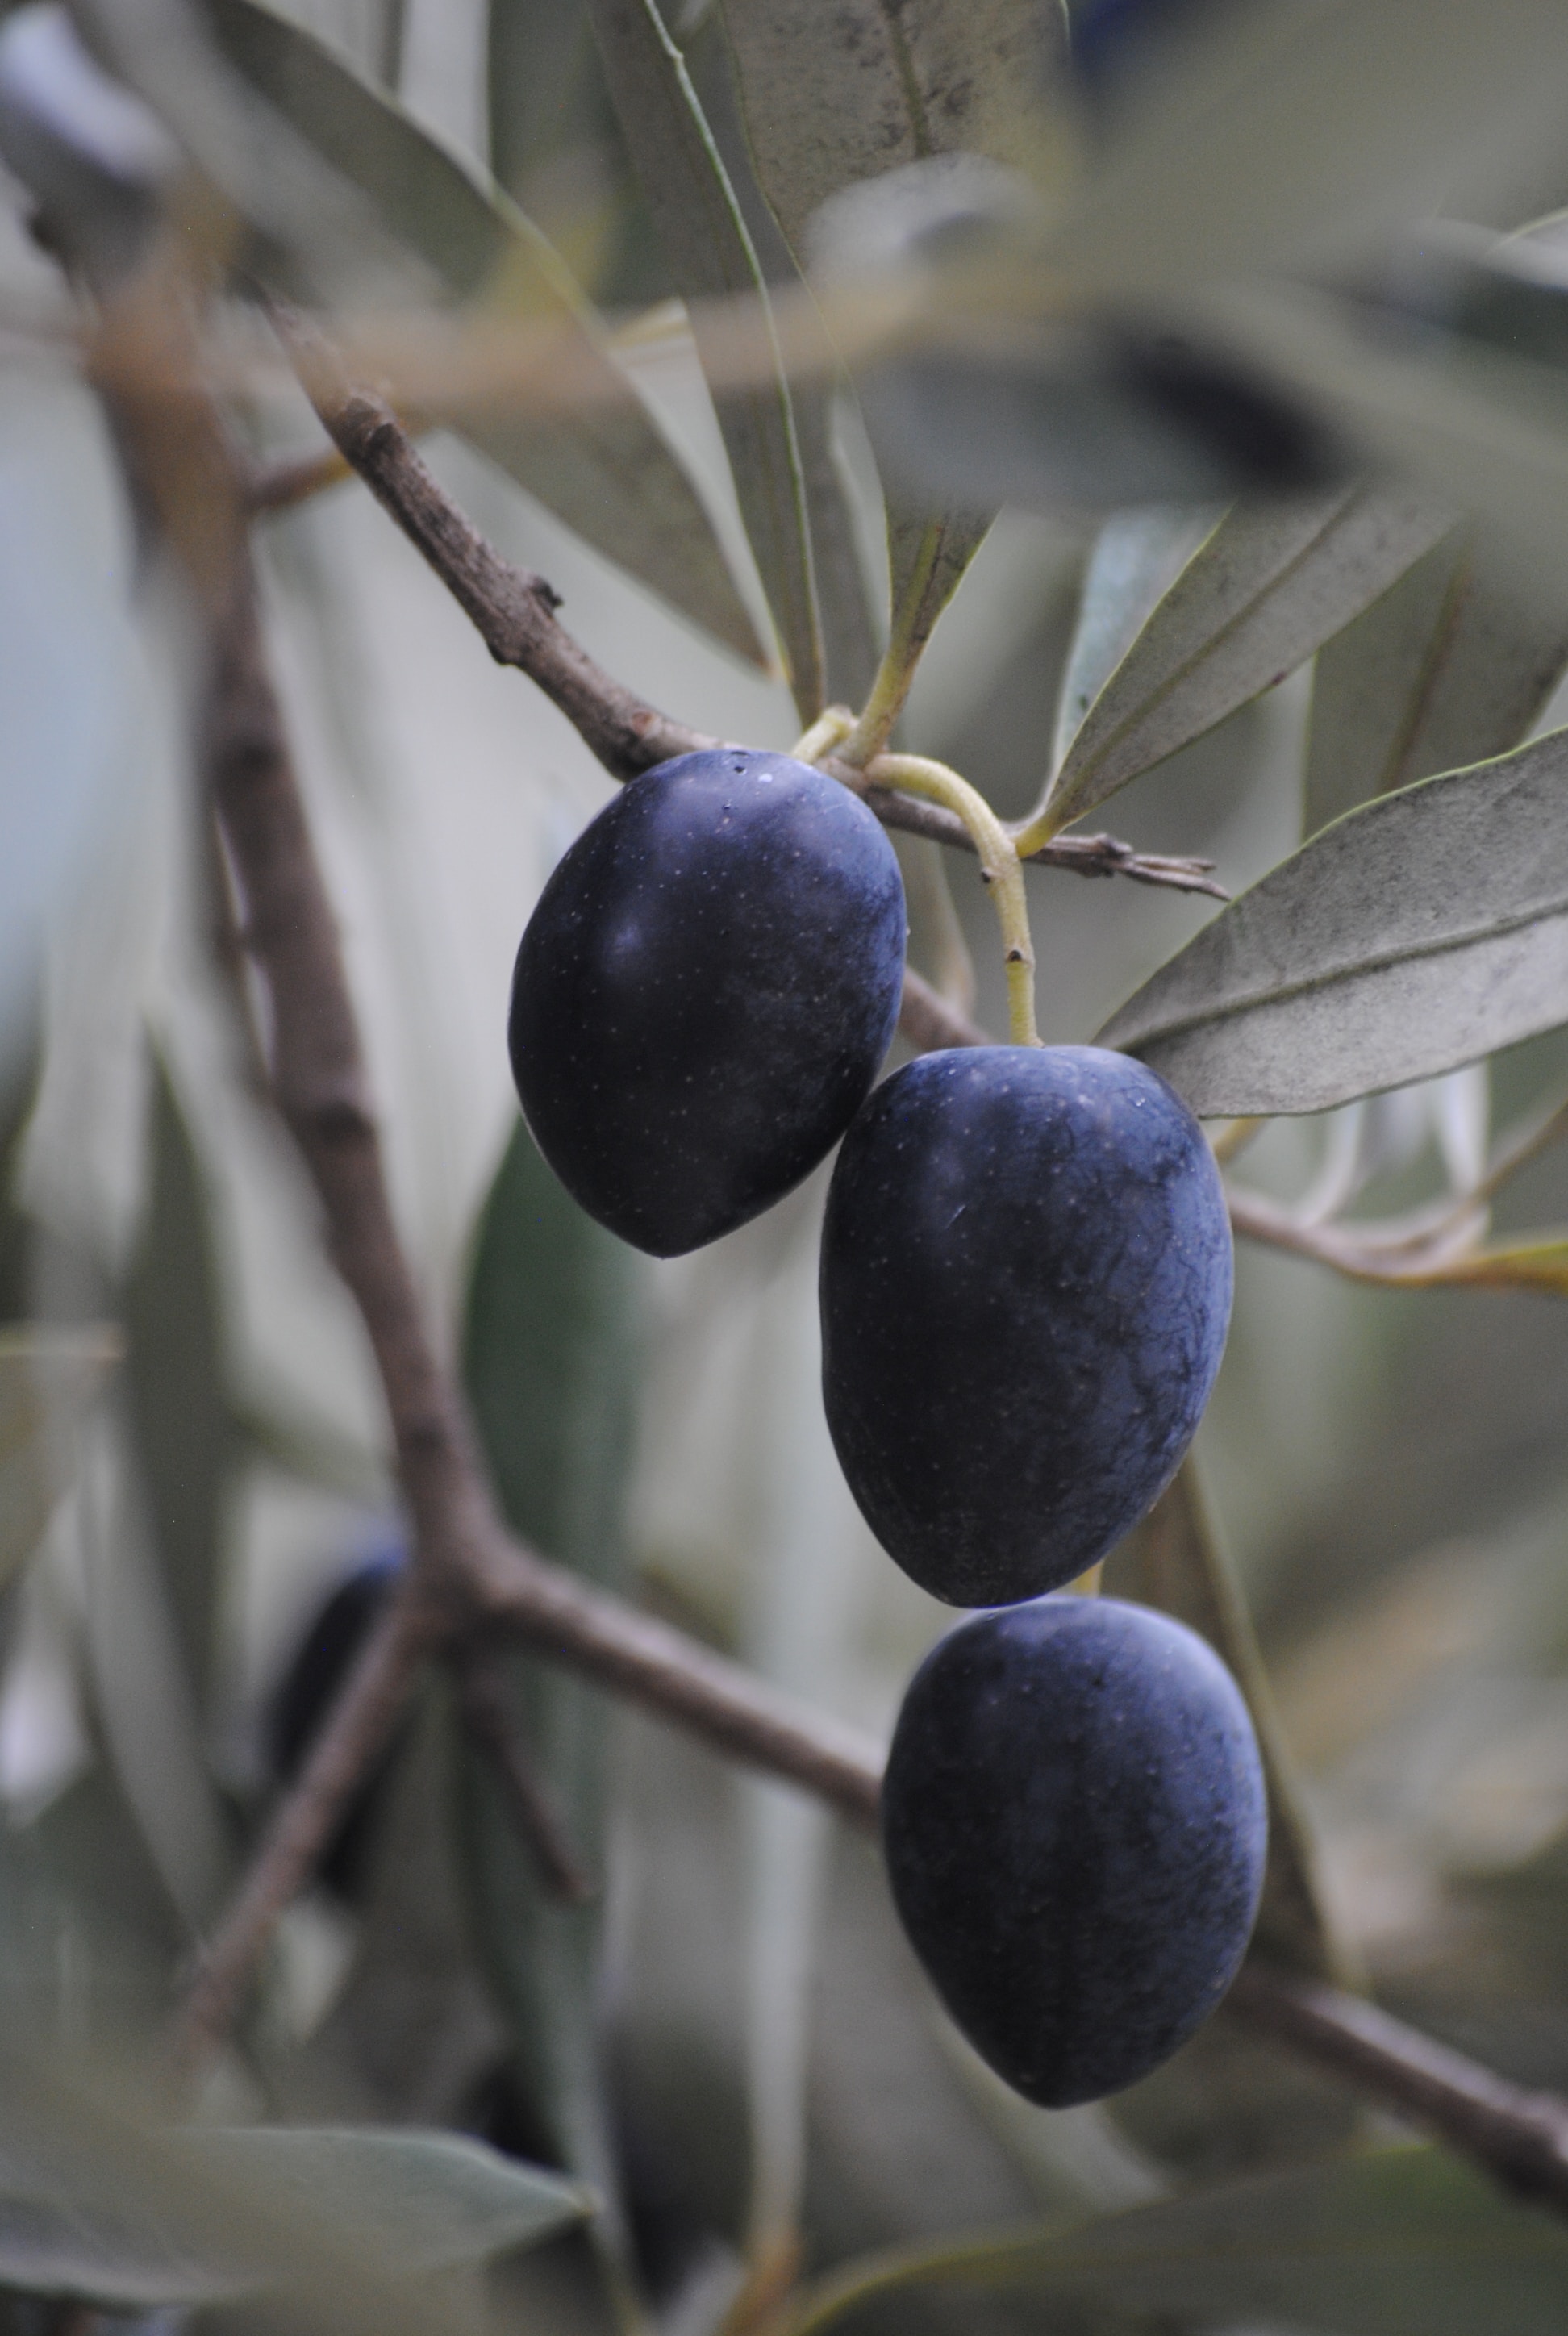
706	992
1026	1286
1075	1824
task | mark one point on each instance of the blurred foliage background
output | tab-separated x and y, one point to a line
725	2034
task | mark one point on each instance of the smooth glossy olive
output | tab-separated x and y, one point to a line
1026	1285
704	993
1075	1824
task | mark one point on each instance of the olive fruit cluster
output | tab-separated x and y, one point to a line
1026	1286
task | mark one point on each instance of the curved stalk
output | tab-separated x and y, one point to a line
1032	834
833	724
1001	868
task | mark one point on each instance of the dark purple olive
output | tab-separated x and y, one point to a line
706	992
1075	1824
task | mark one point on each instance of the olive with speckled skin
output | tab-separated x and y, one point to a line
1075	1824
706	992
1026	1286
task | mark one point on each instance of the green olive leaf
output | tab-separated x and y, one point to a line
66	562
1286	134
606	470
1419	933
425	2201
1379	2244
128	2218
1136	557
1473	427
1265	588
848	621
1174	1560
712	255
831	102
929	553
1251	2104
48	1380
1451	666
550	1360
175	1370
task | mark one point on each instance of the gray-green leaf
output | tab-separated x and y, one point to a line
1403	2242
47	1380
423	2200
837	96
1451	666
833	102
1267	587
712	255
1254	2105
1299	133
606	470
849	625
1138	557
128	2219
549	1361
1419	933
174	1381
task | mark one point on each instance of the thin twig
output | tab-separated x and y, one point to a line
359	1725
291	479
512	610
660	1667
1520	2136
514	614
489	1718
1399	1250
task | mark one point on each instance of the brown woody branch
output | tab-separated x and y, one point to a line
512	610
466	1569
1520	2136
514	614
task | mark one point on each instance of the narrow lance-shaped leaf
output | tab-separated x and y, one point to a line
711	255
549	1358
835	98
1451	666
1138	557
1458	662
1421	932
1267	587
1471	427
174	1381
48	1377
927	555
1383	2243
831	102
849	623
1252	2106
605	469
557	149
1173	1561
129	2219
1290	134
